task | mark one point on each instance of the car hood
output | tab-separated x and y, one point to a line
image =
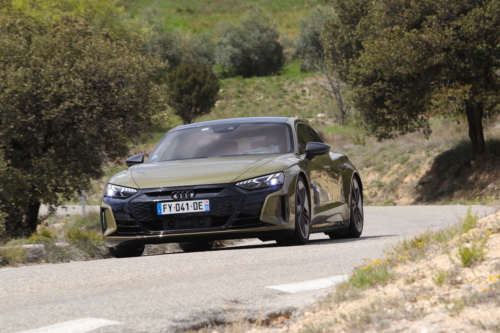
202	171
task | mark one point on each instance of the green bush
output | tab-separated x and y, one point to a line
43	235
200	49
192	90
87	241
473	253
168	46
250	48
308	45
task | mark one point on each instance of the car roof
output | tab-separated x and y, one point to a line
243	120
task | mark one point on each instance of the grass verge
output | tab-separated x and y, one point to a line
58	240
422	283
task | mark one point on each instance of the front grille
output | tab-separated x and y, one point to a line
223	204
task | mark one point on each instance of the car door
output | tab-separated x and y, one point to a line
322	184
340	208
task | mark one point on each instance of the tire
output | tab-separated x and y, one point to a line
302	217
356	222
196	246
126	251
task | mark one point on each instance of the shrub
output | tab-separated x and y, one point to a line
250	48
87	241
308	45
43	235
200	49
168	46
192	90
471	254
374	272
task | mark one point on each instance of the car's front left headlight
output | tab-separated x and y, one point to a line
119	192
274	179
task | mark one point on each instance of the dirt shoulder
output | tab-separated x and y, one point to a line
442	282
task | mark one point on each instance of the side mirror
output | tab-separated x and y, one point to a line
316	148
136	159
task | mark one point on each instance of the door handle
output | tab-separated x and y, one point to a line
343	167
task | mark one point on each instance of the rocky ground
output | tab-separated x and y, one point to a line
446	282
437	293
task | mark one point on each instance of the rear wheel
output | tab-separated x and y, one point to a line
356	221
196	246
357	216
302	217
125	251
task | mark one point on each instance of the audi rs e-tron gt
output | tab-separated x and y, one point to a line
266	178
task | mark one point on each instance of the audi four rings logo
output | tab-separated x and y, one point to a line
187	194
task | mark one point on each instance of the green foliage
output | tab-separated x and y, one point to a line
91	221
469	221
176	48
103	15
12	255
408	60
442	276
13	196
375	272
87	241
43	235
474	252
167	46
69	101
308	45
251	48
192	90
201	49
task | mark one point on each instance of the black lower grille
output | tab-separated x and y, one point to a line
222	207
128	228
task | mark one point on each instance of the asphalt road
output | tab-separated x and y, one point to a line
180	291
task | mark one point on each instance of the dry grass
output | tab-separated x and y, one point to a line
59	239
453	298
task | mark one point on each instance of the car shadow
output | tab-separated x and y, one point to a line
270	244
312	242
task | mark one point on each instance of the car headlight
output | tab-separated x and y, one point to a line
262	181
118	192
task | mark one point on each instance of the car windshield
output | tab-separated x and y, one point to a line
224	140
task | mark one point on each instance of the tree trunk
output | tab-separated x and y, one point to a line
476	134
31	217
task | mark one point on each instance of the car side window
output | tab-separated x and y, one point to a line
313	135
304	136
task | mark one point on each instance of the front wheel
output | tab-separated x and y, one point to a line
196	246
302	217
125	251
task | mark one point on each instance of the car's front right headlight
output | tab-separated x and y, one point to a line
262	181
118	192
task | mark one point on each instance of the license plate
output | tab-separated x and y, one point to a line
180	207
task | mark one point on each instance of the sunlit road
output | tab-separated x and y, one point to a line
179	291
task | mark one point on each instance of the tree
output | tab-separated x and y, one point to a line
308	45
408	60
69	102
103	15
192	90
251	48
335	89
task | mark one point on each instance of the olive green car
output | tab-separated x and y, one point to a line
266	178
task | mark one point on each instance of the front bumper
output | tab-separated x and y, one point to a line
234	213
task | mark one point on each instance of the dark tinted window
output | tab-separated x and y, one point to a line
224	140
305	135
